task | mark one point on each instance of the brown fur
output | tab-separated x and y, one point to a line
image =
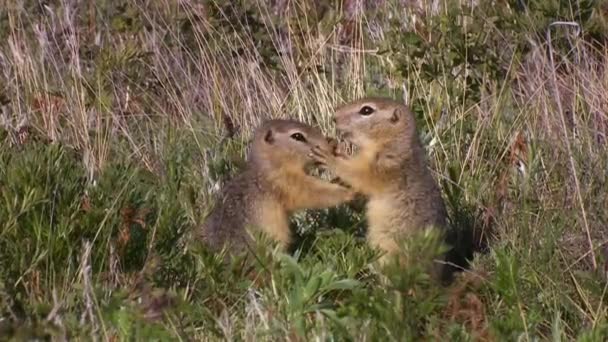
390	169
273	185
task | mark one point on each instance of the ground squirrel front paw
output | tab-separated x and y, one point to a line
353	195
340	182
333	145
322	157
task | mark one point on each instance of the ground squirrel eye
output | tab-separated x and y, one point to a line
298	137
366	110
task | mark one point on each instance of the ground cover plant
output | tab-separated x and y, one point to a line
120	121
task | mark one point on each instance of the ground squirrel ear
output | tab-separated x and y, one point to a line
269	137
396	114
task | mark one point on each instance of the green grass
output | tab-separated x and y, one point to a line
120	121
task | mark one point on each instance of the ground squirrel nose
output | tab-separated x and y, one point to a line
333	120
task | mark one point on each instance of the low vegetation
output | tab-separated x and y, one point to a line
121	120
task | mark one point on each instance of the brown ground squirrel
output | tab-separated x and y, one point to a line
273	184
389	168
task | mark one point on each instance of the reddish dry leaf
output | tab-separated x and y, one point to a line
85	203
465	308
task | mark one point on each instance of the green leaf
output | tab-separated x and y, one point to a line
344	284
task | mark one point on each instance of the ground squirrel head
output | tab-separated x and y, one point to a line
372	119
283	143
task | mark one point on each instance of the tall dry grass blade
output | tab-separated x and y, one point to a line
567	139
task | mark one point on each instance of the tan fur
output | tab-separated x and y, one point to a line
390	168
273	185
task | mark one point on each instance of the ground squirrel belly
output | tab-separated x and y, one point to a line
389	168
273	184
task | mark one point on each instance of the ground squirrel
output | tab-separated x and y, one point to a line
389	168
273	184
